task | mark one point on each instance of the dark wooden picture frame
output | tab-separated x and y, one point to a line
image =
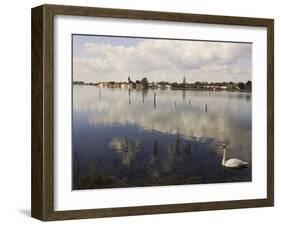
42	203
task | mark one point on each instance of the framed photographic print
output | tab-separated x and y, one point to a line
141	112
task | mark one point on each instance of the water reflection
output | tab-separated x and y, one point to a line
126	147
158	137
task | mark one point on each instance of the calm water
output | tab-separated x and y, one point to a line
125	138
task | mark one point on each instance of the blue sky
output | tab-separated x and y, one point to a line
109	58
80	40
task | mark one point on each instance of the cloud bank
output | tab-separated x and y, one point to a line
158	59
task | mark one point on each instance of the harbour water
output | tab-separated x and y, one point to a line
154	137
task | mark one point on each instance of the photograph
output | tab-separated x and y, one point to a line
160	112
138	112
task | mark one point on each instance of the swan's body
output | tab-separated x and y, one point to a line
232	163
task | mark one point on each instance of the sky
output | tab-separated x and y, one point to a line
109	58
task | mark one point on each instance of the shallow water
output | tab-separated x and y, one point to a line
125	138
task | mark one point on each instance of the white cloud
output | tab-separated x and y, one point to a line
165	60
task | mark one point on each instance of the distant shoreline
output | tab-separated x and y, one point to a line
171	88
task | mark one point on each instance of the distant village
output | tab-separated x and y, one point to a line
145	84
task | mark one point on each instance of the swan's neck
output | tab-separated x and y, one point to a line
223	158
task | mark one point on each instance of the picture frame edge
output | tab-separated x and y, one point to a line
37	112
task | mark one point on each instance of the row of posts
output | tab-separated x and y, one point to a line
154	99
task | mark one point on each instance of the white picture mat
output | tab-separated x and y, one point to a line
66	199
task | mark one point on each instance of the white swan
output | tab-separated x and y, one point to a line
232	163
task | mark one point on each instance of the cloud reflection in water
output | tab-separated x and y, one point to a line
169	134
